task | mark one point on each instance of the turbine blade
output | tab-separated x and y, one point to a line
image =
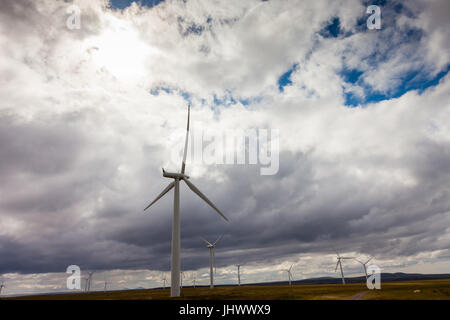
167	189
336	265
183	164
218	239
209	243
368	260
201	195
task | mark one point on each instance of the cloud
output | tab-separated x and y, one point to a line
85	131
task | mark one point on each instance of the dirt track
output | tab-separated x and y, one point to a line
359	296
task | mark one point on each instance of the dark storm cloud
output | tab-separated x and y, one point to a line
271	217
287	220
38	147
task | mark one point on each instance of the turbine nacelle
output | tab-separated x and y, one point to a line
174	175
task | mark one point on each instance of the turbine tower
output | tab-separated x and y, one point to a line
177	177
193	277
239	274
89	280
339	263
86	284
211	247
106	283
289	274
364	264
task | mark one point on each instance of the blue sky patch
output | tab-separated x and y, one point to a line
157	90
193	29
122	4
332	30
413	80
351	76
285	78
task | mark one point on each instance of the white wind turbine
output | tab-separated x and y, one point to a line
175	263
339	263
2	286
106	283
364	264
289	274
239	274
164	280
88	281
211	247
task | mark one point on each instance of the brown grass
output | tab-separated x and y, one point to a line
429	289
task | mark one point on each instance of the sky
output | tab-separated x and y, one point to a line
89	115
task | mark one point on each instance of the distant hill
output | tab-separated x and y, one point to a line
398	276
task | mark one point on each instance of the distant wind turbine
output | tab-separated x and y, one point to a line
2	286
106	283
239	274
289	274
364	264
89	281
164	280
175	263
86	283
212	264
339	263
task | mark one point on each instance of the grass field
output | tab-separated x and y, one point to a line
403	290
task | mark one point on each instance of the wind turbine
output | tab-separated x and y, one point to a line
364	265
339	263
106	283
193	280
2	286
211	247
289	274
239	274
88	281
175	263
164	280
